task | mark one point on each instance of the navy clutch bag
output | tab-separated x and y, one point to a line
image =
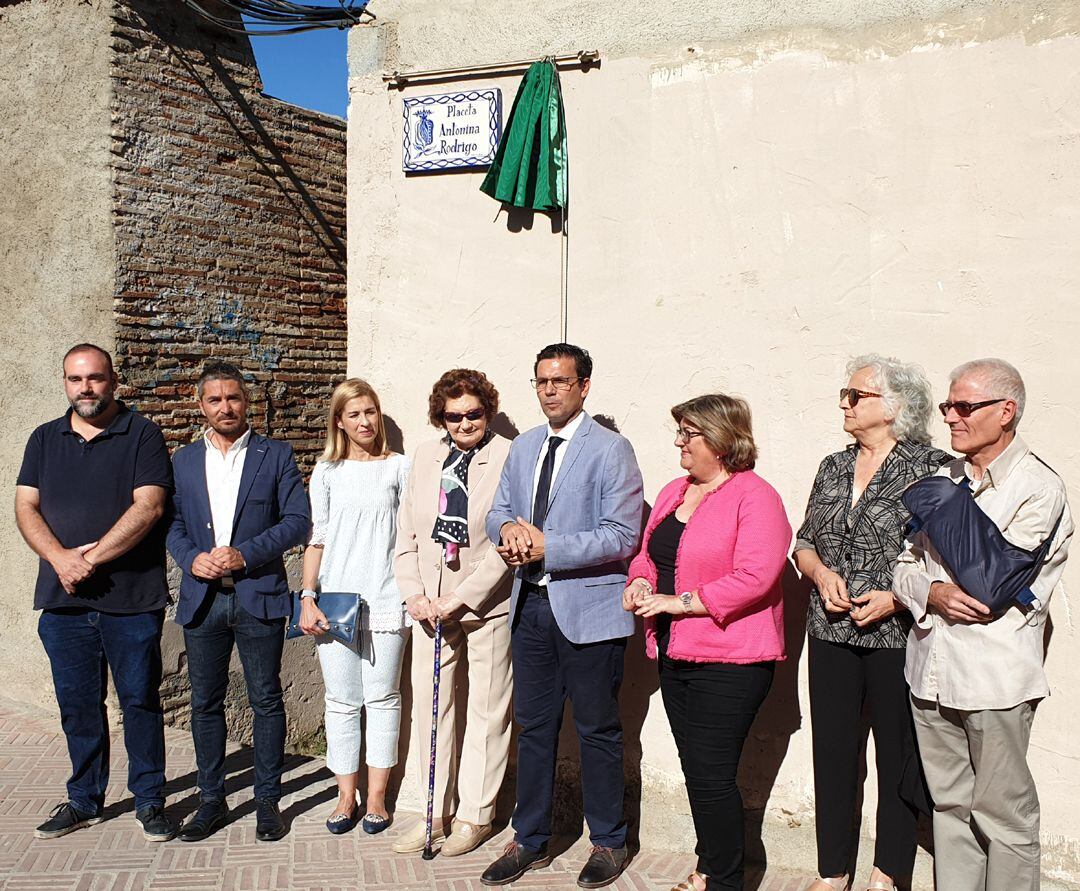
986	565
342	613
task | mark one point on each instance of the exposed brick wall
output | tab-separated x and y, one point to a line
229	211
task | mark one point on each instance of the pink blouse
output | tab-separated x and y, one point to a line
732	553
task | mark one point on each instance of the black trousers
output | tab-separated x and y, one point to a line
711	706
841	678
548	668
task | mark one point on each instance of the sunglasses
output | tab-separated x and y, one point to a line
456	417
964	409
853	396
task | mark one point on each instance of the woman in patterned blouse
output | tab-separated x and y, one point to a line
854	529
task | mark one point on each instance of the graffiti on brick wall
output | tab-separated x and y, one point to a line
217	319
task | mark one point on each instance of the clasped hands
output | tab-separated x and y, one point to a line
74	565
866	609
423	609
640	599
522	543
214	564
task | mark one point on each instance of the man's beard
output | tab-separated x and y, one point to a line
91	409
228	426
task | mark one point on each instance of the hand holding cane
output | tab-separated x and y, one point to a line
428	853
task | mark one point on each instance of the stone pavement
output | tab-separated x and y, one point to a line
113	856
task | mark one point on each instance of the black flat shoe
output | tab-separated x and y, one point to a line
373	824
342	823
603	867
269	826
65	818
156	825
207	820
516	860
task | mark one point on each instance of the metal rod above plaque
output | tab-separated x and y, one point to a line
450	131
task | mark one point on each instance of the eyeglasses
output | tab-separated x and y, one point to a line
456	417
559	383
683	436
964	409
853	396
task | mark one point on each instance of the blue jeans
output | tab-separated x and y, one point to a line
82	645
219	622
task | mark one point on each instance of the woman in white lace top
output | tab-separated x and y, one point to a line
355	492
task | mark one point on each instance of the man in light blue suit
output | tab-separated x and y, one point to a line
567	516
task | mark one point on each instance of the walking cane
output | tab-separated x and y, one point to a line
428	853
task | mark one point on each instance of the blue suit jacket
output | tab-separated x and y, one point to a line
272	515
592	528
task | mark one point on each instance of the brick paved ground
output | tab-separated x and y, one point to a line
113	856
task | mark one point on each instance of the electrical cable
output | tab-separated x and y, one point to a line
277	17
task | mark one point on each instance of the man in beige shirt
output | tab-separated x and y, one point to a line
976	680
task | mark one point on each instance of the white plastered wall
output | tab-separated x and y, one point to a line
753	201
57	261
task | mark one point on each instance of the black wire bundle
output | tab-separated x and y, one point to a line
275	17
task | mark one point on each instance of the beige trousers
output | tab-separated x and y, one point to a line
986	809
476	773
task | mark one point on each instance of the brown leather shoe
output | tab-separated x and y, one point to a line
515	861
603	867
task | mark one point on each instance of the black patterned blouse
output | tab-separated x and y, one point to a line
861	543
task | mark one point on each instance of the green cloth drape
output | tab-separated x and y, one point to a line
529	169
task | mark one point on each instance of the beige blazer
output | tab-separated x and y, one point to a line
480	578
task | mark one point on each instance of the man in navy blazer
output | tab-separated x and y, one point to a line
238	505
568	516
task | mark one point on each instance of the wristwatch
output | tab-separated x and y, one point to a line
687	599
307	592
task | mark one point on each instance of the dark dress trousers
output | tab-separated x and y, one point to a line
568	637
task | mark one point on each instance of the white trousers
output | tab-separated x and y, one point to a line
986	809
366	675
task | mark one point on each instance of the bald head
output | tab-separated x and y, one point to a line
90	348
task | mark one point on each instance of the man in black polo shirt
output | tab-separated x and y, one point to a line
90	500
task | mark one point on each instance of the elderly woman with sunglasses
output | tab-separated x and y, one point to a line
847	546
448	569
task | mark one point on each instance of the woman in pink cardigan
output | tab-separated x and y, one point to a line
707	581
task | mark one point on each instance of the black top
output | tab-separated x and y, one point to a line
663	551
861	543
85	486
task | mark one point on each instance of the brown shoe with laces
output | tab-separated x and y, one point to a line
603	867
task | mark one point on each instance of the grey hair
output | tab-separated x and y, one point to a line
905	393
998	380
216	370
